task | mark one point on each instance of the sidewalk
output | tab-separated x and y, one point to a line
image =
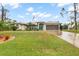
72	38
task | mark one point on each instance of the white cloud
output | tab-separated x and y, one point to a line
27	13
3	4
20	16
62	4
40	7
42	15
70	8
30	9
56	17
35	13
47	15
14	5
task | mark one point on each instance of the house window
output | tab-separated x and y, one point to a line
40	26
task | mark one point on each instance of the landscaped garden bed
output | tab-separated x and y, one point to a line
6	37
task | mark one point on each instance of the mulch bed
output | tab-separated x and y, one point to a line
4	38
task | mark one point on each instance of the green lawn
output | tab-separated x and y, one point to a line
74	31
36	43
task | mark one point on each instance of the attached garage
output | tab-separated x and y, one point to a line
48	25
51	27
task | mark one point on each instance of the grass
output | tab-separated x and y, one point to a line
29	43
74	31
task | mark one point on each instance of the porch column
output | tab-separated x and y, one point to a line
44	27
38	25
59	31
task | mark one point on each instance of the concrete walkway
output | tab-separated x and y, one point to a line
72	38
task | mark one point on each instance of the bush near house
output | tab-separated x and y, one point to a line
6	26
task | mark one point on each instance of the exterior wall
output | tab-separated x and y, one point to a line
53	29
21	27
33	27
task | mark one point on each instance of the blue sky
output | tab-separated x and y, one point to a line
28	12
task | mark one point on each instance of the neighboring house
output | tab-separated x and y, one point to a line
72	26
21	26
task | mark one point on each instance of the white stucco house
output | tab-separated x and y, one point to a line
41	26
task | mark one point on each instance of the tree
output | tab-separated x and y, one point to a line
6	23
75	15
14	25
63	11
3	13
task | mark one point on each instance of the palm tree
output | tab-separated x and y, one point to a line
3	11
75	15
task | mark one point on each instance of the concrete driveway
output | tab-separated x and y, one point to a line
72	38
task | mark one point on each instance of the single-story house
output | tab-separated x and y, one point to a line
42	26
51	27
48	25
